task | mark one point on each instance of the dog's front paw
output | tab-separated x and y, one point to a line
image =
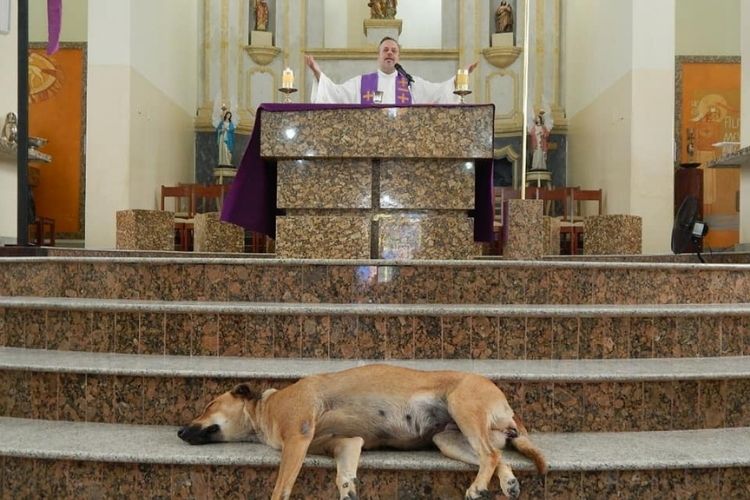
511	488
348	489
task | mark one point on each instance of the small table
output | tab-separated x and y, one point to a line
221	172
540	177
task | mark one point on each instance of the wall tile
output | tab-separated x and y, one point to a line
456	337
232	334
539	334
512	338
484	338
428	338
287	342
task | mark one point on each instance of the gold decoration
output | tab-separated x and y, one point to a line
45	79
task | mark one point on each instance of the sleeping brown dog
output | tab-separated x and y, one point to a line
375	406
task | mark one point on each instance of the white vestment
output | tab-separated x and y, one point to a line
349	92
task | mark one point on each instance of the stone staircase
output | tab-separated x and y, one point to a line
633	376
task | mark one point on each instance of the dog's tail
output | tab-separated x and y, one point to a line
523	444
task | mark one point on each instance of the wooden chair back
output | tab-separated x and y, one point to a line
208	198
182	200
586	195
556	201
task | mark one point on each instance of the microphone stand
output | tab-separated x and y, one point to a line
402	72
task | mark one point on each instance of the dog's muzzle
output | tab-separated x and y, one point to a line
195	434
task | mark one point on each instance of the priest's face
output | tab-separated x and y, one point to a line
388	56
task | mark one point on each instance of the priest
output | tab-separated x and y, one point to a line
389	85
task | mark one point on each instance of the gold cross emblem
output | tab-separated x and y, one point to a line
368	95
403	98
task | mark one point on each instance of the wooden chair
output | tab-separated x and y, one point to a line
577	213
40	229
184	210
532	192
208	198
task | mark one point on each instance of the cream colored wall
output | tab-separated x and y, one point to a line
140	114
356	12
598	50
8	102
164	48
335	16
74	27
707	28
652	126
107	151
620	102
161	143
599	146
164	82
599	92
107	120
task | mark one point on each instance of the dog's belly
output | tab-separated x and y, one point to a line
384	422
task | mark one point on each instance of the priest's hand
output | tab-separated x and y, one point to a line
471	67
310	62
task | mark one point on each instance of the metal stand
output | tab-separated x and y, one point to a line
462	93
287	93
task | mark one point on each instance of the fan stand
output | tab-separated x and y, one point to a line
698	251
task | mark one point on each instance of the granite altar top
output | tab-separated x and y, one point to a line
379	132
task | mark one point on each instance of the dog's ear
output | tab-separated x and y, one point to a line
244	391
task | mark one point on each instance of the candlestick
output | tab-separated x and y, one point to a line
462	79
287	79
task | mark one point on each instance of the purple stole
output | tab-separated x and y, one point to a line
370	85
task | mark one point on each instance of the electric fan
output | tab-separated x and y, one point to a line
688	231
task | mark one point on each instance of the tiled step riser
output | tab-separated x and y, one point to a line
30	478
269	282
375	337
544	406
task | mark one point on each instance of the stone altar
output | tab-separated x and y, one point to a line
376	181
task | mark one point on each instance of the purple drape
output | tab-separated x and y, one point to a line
54	21
251	201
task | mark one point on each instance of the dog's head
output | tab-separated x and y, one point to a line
229	417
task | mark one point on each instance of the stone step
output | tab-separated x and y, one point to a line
62	459
345	281
376	331
550	395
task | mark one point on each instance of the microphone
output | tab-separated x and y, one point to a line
402	72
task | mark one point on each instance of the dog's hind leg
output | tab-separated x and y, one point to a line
477	435
476	405
453	444
346	452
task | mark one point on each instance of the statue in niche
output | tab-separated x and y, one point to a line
382	9
504	18
539	131
261	15
225	138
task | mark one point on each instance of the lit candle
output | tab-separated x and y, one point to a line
462	79
287	79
